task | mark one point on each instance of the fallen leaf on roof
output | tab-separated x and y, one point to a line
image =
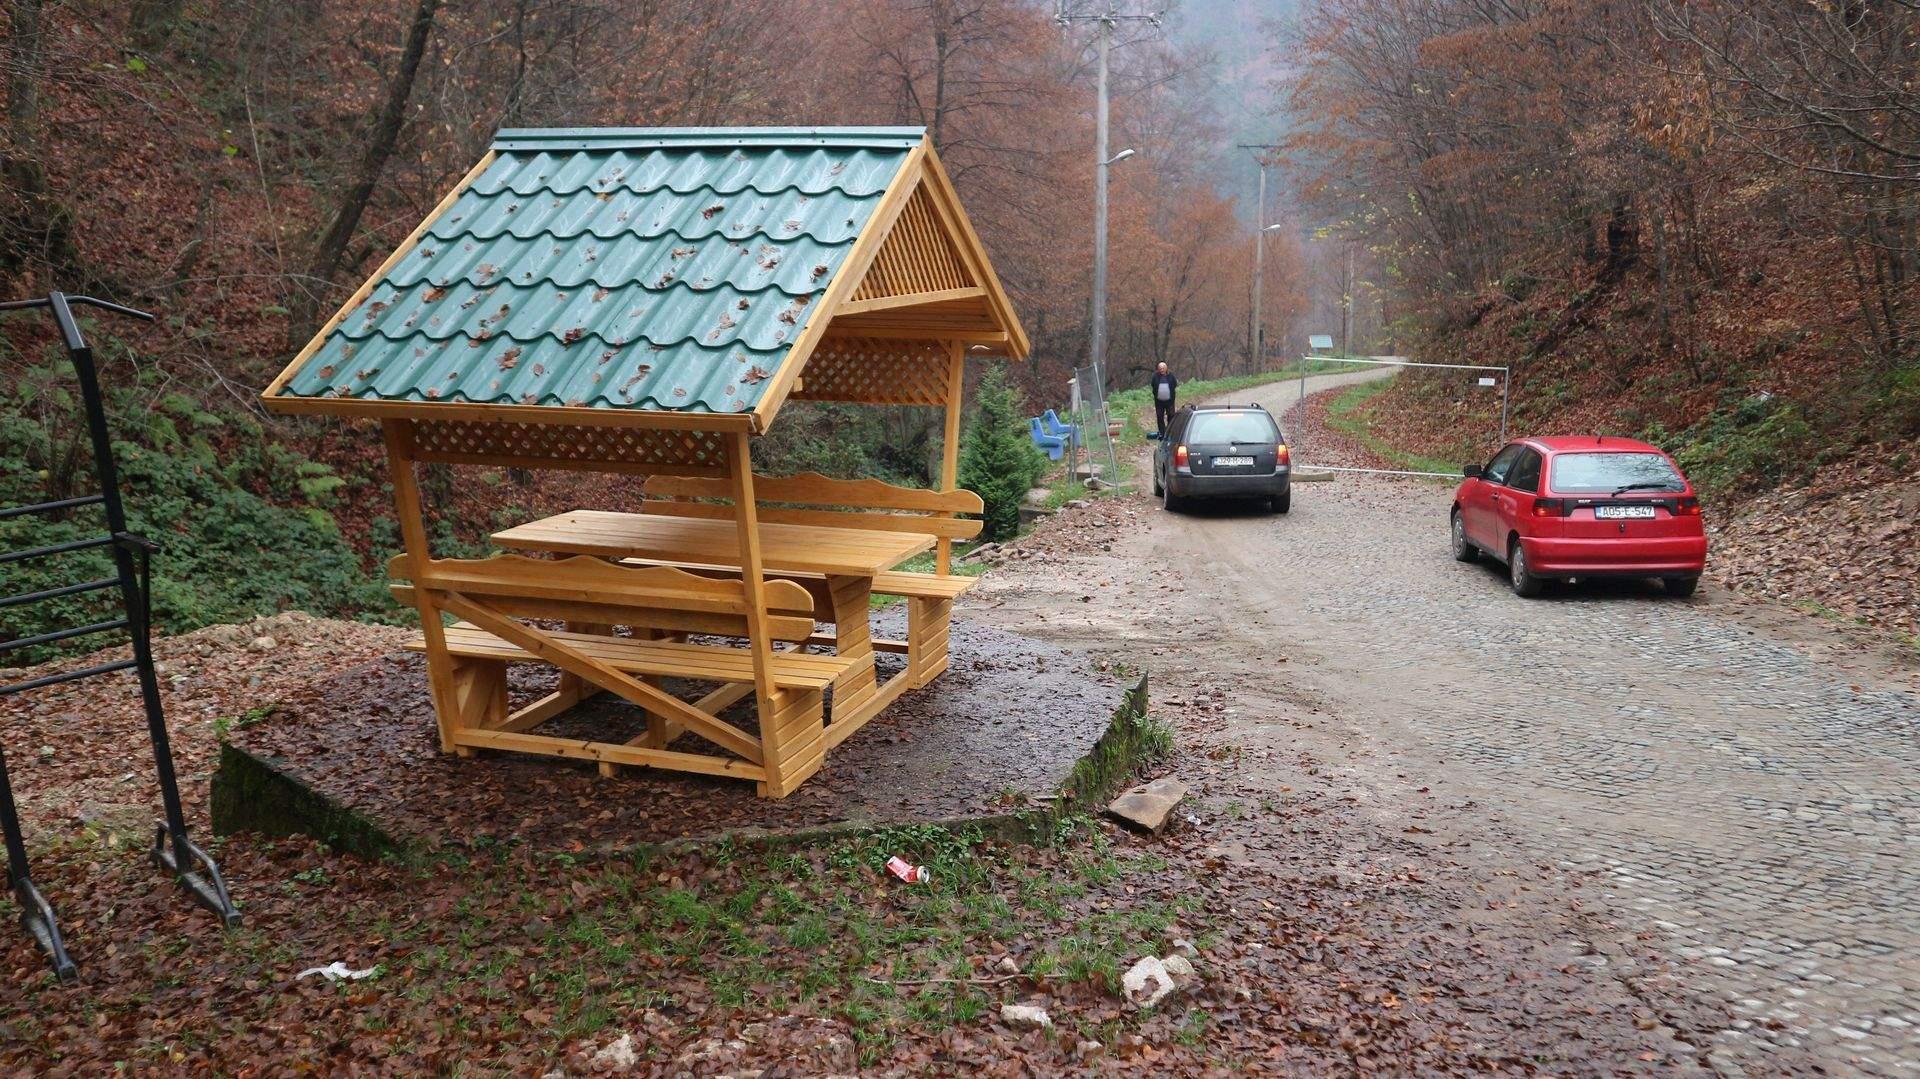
509	358
756	373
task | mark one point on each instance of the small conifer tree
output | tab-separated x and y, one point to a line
998	461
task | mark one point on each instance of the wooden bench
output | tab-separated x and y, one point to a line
812	499
660	605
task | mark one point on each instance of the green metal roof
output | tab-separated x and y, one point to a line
643	268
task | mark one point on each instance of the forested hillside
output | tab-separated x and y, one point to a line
240	167
1695	222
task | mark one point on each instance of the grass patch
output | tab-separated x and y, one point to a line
1350	413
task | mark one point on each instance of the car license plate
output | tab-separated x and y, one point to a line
1623	513
1233	462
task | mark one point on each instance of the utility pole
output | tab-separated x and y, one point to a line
1255	329
1346	307
1103	43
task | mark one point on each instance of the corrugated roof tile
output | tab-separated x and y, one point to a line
652	269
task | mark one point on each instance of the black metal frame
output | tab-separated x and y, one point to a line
172	851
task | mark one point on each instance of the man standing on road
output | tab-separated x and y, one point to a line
1162	387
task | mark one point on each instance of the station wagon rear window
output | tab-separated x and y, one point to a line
1609	472
1240	427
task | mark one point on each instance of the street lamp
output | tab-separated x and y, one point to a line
1121	156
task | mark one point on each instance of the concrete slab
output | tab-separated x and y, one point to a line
355	760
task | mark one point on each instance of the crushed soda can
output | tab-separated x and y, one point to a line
907	871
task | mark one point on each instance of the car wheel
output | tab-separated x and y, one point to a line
1681	587
1168	502
1524	583
1158	490
1282	502
1463	548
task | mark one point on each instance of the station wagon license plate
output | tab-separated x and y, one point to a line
1233	462
1623	513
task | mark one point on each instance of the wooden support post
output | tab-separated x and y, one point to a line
447	701
745	515
950	444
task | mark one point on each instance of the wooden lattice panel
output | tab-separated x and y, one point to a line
595	449
877	372
917	257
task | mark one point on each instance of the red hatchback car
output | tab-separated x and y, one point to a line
1592	506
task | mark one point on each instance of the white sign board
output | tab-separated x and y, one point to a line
1320	342
1488	380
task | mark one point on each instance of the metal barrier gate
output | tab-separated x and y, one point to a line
172	851
1504	380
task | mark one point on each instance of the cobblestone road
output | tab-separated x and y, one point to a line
1737	797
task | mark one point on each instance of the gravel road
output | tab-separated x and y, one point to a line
1712	801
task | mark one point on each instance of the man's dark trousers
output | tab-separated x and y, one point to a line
1163	414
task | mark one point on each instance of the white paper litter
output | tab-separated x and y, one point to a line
336	971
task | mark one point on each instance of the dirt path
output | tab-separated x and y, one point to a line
1704	809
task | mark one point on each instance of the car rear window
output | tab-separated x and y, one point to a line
1232	427
1609	472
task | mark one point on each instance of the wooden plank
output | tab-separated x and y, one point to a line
950	444
366	287
668	659
921	585
916	299
880	644
785	548
844	725
784	627
759	642
636	756
413	535
814	488
561	415
852	327
947	528
584	579
853	269
629	468
553	704
717	731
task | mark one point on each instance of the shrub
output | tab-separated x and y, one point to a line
227	553
998	461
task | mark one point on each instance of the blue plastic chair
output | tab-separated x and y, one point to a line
1055	446
1055	427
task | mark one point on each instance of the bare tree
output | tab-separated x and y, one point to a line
332	246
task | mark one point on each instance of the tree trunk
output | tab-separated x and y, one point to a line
23	74
34	226
327	254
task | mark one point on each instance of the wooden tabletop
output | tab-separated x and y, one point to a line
784	548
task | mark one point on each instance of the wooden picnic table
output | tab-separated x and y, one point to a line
700	542
839	564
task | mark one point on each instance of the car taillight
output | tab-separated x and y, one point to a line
1687	507
1179	457
1282	457
1551	507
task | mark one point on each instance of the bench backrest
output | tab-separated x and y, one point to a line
812	499
597	592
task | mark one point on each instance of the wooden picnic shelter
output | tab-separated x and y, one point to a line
643	302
